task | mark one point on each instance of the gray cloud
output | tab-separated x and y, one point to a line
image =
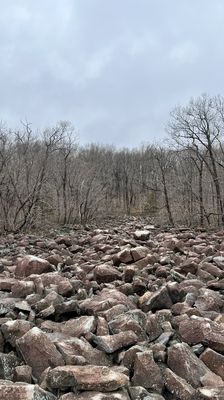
113	68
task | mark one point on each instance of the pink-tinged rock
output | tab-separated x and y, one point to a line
112	343
23	288
188	366
208	300
129	322
79	326
6	283
153	327
106	274
125	256
129	356
38	351
88	377
178	386
189	266
54	259
201	330
147	372
32	265
208	393
64	240
142	235
219	261
23	373
13	330
152	301
214	361
121	395
7	304
139	252
15	391
139	393
105	300
72	348
212	269
113	312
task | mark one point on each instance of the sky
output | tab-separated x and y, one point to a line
114	68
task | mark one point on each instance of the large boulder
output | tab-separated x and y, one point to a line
38	351
89	377
30	264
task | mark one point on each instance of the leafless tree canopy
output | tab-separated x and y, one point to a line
46	177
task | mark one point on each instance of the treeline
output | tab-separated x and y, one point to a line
45	177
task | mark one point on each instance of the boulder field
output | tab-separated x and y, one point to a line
124	312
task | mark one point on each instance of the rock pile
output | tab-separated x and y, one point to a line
124	313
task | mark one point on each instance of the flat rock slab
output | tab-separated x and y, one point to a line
152	301
89	377
121	395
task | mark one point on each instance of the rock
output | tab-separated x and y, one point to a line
189	266
219	261
106	273
202	330
152	301
120	395
54	259
140	393
112	343
23	373
139	252
146	372
129	322
8	363
153	327
214	361
187	365
13	330
80	326
23	392
125	256
105	300
38	351
207	393
6	284
178	386
23	288
86	378
73	347
32	265
142	235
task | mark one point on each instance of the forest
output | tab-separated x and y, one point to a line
46	177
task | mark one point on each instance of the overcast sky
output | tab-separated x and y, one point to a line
114	68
